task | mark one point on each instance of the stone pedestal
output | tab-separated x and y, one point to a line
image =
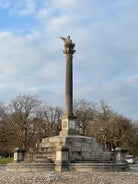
19	154
68	125
120	154
62	159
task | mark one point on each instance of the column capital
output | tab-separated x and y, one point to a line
68	46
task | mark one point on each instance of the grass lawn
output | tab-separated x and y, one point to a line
6	160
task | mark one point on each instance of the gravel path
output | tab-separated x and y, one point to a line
68	178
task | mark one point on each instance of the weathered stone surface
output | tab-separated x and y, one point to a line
80	147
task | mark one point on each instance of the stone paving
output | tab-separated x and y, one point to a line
68	177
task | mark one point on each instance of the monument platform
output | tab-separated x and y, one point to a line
80	148
70	153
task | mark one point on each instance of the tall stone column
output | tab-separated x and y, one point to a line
68	120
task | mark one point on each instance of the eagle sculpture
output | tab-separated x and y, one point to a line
65	39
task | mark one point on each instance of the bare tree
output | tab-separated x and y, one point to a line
26	120
85	112
6	133
114	130
49	119
20	116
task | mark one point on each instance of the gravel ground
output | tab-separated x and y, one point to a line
68	177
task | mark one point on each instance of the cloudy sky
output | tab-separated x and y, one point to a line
106	58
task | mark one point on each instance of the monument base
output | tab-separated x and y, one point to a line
80	148
70	153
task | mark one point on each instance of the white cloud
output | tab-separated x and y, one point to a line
27	67
42	13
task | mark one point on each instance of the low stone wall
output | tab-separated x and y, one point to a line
101	167
81	167
30	167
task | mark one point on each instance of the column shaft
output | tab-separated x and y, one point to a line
69	85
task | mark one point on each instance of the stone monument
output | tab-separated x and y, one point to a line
68	120
69	151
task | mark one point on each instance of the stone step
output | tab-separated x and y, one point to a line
42	159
